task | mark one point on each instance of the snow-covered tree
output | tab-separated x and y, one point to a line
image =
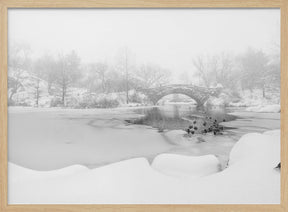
18	61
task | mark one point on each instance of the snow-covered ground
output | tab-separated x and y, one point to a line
255	102
249	179
186	166
265	109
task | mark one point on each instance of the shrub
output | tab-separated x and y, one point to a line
107	103
135	98
11	102
56	102
93	102
24	104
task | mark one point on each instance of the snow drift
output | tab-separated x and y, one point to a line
186	166
250	178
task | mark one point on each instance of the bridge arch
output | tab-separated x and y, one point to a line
155	99
199	94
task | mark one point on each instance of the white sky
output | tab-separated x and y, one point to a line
167	37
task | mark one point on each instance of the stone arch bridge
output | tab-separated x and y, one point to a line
199	94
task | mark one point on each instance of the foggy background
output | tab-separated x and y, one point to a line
167	37
66	53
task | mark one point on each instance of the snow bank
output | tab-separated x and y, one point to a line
265	109
249	179
255	98
186	166
18	173
246	150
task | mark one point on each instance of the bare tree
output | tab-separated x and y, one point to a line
254	70
98	72
46	67
35	85
68	72
37	93
186	78
226	71
205	68
114	82
151	75
220	69
126	74
125	66
273	68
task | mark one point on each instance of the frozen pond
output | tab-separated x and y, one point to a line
47	139
180	117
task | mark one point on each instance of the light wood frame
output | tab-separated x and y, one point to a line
6	4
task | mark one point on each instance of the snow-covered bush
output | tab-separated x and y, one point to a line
106	103
72	102
223	99
92	100
11	102
135	97
217	101
56	102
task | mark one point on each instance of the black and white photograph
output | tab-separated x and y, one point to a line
144	106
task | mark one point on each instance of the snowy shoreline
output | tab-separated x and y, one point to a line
250	178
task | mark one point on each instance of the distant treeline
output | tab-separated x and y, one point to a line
250	70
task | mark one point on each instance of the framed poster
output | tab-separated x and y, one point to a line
143	105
